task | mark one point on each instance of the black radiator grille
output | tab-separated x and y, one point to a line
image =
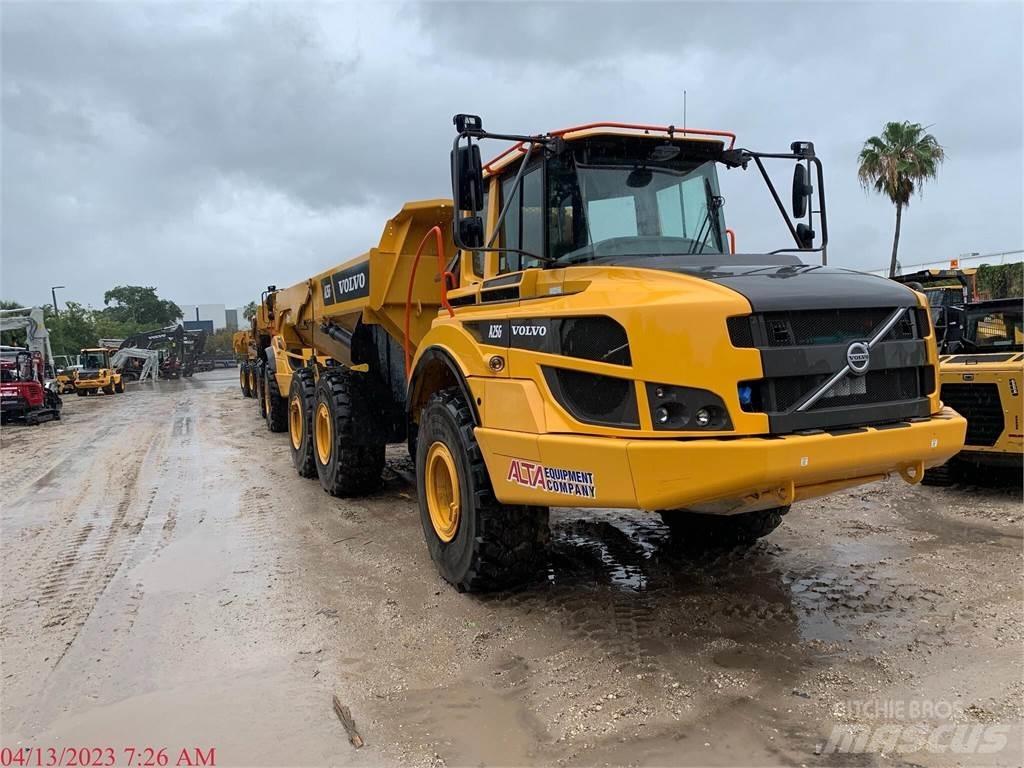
887	386
823	326
980	405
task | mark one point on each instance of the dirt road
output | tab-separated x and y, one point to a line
169	582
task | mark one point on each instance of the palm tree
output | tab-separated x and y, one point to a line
896	163
250	310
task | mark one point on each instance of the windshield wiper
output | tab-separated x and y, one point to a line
710	221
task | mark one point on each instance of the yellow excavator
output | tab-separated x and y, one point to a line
575	329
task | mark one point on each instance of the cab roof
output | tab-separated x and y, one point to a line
670	132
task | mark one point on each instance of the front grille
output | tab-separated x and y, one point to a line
794	342
980	405
874	387
797	328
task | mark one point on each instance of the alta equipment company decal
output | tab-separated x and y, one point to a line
569	482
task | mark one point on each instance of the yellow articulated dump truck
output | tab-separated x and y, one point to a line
982	380
242	342
575	329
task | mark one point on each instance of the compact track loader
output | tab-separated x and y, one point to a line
574	329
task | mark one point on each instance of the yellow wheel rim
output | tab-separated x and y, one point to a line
266	397
322	431
442	487
295	422
252	380
241	378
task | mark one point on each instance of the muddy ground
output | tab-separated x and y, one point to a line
169	581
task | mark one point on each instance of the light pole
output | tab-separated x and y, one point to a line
53	293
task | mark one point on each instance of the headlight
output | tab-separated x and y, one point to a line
686	408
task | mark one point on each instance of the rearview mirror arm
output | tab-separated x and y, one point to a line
822	213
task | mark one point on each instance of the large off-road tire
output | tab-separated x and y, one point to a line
942	476
301	404
477	543
261	402
108	389
81	392
275	407
243	380
348	461
251	375
119	386
695	530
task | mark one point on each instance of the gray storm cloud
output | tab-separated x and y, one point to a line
212	149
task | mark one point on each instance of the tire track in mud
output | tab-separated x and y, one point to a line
86	537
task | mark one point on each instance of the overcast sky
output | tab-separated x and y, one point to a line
211	149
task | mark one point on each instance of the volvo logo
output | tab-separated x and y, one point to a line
858	357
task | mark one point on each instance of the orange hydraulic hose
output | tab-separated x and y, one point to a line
439	240
732	240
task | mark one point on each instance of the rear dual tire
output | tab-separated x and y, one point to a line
261	377
275	407
301	405
347	461
244	380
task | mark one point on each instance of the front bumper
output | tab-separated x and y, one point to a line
13	406
723	476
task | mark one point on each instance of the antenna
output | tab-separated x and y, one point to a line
684	110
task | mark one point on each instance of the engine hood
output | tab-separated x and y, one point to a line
776	282
775	288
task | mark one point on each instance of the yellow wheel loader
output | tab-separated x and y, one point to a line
97	374
574	329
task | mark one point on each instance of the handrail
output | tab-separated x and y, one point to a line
439	240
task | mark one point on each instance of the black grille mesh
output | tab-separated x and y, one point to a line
823	326
740	332
595	338
979	404
880	387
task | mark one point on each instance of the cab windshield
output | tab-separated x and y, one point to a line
994	328
93	361
613	196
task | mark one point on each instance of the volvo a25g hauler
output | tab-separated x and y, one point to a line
982	380
574	329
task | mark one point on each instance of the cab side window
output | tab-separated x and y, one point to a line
523	227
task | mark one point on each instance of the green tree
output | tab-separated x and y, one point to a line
72	330
218	343
896	164
139	306
250	311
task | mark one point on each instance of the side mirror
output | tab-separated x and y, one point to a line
801	191
469	232
805	235
467	178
